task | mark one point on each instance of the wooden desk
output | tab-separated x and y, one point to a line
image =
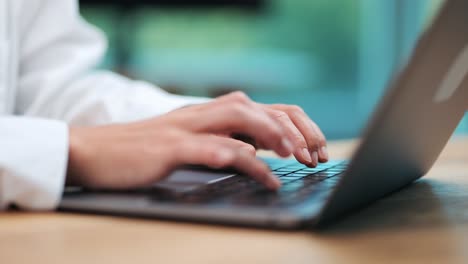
425	223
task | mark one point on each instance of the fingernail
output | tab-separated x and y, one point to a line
306	155
315	158
324	152
287	145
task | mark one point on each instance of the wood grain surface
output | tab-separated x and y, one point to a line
424	223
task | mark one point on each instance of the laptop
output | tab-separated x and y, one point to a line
409	129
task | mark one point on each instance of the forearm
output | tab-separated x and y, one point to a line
103	97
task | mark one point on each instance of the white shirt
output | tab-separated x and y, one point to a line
47	82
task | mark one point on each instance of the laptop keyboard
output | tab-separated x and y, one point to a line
298	184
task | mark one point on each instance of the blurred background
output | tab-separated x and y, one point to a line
333	58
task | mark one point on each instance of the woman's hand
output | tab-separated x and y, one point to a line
310	145
141	153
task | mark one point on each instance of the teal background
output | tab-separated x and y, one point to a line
333	58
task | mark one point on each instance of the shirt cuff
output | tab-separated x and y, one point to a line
33	162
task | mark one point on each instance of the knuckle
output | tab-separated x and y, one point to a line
240	97
212	156
279	114
312	142
249	149
280	106
275	133
300	140
272	126
315	146
237	109
210	153
296	109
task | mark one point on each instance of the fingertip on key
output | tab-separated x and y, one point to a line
274	183
314	158
324	153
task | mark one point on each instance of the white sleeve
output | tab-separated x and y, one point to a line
33	160
58	53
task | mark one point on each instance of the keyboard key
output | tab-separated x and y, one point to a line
298	174
296	167
277	173
291	187
284	181
292	176
286	169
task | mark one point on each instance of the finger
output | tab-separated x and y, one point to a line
237	114
249	143
322	151
314	137
246	139
256	169
237	144
301	152
218	152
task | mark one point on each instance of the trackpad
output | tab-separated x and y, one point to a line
184	180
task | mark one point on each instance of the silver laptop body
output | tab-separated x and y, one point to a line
411	126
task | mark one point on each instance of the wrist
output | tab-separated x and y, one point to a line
75	154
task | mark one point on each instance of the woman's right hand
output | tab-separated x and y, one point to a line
133	155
